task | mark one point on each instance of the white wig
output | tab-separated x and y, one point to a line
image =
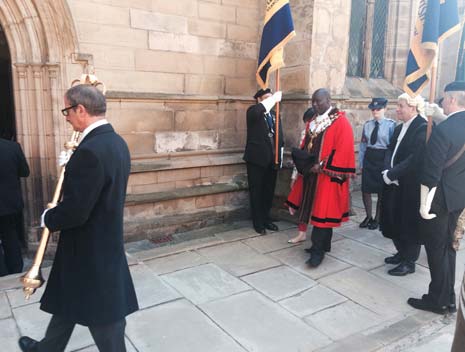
418	102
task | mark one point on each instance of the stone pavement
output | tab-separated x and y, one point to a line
230	290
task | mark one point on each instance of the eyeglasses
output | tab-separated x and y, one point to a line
65	111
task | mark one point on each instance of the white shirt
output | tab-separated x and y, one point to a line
402	133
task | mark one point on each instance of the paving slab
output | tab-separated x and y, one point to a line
150	289
93	348
417	283
33	322
9	336
262	326
357	254
179	327
270	243
279	283
440	343
237	258
5	310
356	342
205	283
17	298
370	291
331	321
175	262
237	234
313	300
285	225
295	257
372	238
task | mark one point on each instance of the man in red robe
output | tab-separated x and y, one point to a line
324	192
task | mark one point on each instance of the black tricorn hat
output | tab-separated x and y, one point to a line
377	103
261	92
457	86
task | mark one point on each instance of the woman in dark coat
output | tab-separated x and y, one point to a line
401	194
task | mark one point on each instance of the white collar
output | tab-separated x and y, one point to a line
409	122
93	126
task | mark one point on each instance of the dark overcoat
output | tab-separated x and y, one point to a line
90	283
260	147
13	165
400	204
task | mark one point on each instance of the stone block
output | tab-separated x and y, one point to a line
135	4
262	326
121	36
329	320
175	262
245	68
140	143
217	12
239	49
205	283
158	329
220	66
110	57
313	300
180	7
246	16
279	283
206	28
152	188
198	120
184	141
238	259
204	85
179	175
240	86
253	4
150	289
210	171
209	201
154	21
100	14
133	121
295	79
184	43
242	33
167	61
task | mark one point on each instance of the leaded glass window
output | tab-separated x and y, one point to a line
357	38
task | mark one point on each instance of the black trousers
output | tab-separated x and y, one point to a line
409	252
321	239
11	260
108	338
262	182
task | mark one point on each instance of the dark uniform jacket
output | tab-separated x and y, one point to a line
13	165
400	204
446	141
90	283
260	147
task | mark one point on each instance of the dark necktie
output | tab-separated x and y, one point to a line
269	121
374	134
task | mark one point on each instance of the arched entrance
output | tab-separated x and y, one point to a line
7	119
42	44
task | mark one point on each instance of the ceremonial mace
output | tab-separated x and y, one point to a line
33	279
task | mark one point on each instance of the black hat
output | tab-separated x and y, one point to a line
378	103
261	92
457	86
309	114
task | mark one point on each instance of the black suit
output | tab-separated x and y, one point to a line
90	283
446	141
259	156
13	166
400	204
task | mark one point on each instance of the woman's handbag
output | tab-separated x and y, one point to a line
302	160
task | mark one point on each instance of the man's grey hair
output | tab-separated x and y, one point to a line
88	96
459	96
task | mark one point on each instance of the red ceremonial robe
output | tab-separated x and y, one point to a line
331	199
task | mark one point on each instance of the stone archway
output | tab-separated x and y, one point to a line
42	42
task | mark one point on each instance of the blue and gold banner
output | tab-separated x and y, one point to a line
437	19
460	73
277	31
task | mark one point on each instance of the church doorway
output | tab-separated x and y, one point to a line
7	111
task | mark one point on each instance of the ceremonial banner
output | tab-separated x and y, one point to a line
277	31
460	73
437	19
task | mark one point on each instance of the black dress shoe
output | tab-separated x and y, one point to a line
373	224
402	269
452	308
272	227
365	222
26	344
315	259
395	259
260	231
426	305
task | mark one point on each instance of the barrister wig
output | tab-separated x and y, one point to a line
418	102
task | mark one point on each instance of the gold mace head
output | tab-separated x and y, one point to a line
32	280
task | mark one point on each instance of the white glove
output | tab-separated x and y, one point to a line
64	156
434	111
268	103
426	198
387	180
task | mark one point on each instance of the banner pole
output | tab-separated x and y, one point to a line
276	158
432	93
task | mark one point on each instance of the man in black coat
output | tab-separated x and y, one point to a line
89	283
443	200
13	166
259	156
401	194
